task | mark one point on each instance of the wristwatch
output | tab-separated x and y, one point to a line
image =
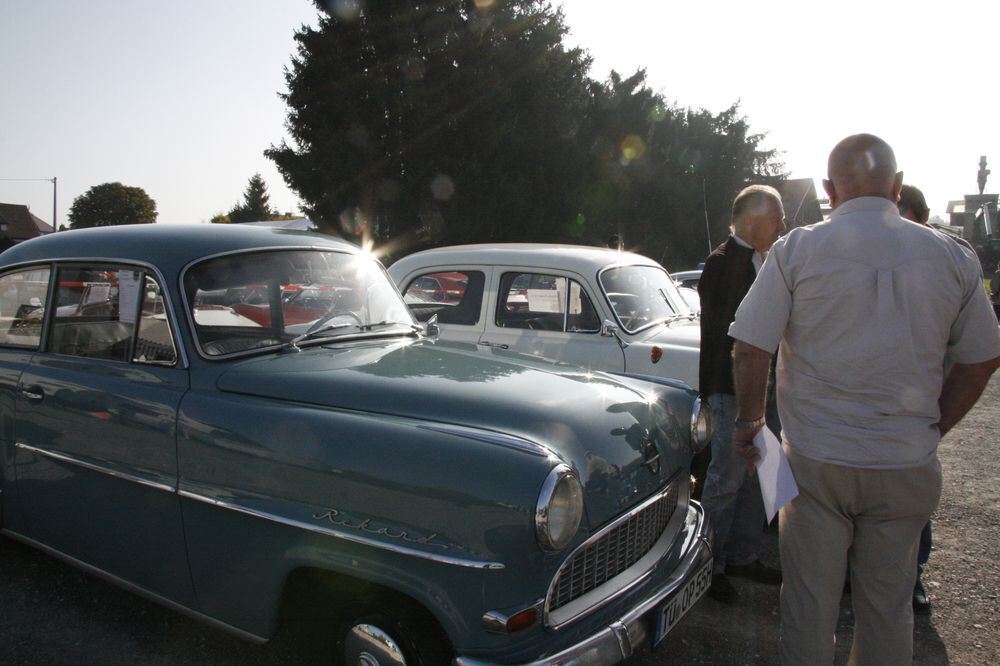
742	424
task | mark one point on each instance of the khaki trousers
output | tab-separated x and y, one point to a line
872	519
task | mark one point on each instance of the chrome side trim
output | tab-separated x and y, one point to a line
510	441
62	457
135	589
344	536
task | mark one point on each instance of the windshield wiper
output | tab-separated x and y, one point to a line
380	324
314	331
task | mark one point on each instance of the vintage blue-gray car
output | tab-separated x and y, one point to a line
248	426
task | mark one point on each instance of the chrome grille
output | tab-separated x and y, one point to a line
604	557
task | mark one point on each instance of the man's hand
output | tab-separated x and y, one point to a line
743	442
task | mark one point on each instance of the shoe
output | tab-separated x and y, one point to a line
721	589
921	603
756	571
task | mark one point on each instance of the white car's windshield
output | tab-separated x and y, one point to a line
642	296
257	300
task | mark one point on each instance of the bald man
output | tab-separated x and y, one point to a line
866	306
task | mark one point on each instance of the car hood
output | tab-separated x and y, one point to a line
679	352
682	333
596	423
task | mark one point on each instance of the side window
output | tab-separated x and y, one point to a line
23	297
545	303
95	312
456	297
582	316
154	343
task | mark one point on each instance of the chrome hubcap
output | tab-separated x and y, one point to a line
367	645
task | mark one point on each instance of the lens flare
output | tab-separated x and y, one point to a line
632	148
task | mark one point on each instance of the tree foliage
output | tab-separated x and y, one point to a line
110	204
255	206
440	121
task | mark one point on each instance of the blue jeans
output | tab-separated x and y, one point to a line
732	496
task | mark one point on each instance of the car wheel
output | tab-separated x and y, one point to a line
370	636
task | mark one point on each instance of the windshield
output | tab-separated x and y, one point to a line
257	300
642	296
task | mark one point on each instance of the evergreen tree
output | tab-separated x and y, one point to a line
430	122
436	119
255	206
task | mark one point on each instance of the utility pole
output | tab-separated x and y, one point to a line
37	180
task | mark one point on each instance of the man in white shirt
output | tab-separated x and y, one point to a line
865	305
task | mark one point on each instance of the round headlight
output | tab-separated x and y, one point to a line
559	510
701	425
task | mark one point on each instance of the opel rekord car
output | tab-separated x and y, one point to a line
597	308
252	429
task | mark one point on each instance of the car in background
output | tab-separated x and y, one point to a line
687	279
330	464
597	308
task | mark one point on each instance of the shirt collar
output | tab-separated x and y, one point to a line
865	204
741	242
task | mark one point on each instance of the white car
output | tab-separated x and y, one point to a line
593	307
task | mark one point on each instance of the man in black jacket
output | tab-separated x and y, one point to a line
731	496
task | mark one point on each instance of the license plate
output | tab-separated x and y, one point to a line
671	612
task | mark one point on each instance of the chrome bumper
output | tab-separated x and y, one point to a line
621	638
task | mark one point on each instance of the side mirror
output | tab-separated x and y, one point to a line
431	328
610	329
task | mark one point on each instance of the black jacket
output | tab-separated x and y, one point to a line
725	280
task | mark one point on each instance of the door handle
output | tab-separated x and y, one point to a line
33	393
494	344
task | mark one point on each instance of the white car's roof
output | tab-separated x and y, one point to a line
579	258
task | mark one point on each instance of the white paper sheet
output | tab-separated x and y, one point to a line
777	485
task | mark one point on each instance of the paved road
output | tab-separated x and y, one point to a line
51	613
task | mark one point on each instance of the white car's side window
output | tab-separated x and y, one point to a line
545	302
456	297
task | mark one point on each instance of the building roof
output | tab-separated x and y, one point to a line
18	224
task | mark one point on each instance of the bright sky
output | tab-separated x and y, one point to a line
180	98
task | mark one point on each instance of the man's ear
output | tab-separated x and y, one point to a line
897	186
831	193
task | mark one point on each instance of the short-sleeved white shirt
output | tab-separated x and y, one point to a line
866	305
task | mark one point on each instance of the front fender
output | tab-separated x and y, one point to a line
383	499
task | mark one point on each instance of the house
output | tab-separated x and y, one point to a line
18	224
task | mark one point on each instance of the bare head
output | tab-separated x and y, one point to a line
758	216
862	165
912	204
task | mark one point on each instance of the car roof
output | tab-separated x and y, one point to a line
683	275
580	258
170	247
